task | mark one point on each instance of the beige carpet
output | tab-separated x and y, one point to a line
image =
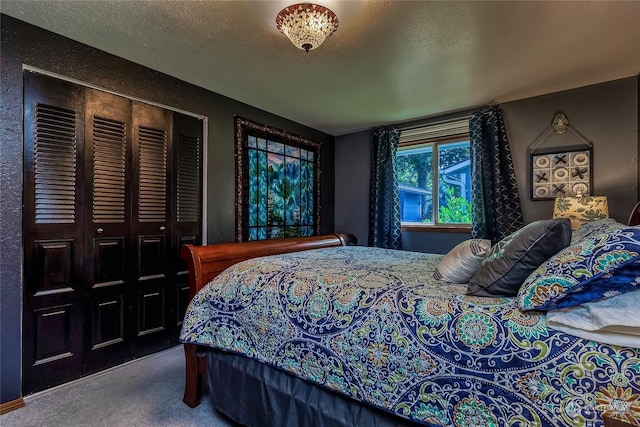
145	392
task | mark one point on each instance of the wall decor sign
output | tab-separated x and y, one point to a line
277	183
566	171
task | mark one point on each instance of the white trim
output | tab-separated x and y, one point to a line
455	167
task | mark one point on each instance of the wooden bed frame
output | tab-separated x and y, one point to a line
206	262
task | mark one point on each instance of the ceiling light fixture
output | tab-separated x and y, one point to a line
307	25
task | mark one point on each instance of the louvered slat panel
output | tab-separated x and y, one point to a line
188	179
109	157
55	166
152	188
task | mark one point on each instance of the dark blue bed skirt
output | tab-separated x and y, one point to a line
258	395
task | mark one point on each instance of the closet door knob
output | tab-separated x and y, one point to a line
99	231
162	228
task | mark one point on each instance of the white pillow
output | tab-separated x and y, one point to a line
460	264
615	320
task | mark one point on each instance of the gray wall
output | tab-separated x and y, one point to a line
25	44
432	242
606	113
353	163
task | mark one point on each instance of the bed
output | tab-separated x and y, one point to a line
316	331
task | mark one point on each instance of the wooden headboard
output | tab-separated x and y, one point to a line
206	262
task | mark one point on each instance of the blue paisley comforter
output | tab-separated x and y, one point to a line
373	324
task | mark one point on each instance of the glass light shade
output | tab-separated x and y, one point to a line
307	25
581	209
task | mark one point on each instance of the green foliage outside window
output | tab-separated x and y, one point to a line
415	170
455	209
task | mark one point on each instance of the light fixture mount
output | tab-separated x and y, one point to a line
306	24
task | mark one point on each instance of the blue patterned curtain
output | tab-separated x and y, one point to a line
496	209
384	202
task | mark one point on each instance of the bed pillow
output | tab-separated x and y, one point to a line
593	269
463	261
613	321
512	259
592	228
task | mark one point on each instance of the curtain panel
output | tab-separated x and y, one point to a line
496	211
384	203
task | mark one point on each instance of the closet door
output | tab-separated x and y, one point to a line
108	266
187	206
111	192
151	226
53	225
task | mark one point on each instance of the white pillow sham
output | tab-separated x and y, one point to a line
615	320
461	263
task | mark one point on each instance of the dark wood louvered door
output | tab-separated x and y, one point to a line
53	226
187	143
151	225
112	188
108	266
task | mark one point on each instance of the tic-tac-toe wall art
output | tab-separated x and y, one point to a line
565	171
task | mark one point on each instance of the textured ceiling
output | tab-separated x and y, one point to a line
389	61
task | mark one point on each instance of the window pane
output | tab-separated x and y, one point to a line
415	168
454	183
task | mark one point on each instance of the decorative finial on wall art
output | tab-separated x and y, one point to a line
560	123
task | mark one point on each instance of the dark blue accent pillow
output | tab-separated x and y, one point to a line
515	257
597	267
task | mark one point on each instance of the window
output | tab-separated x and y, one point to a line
434	175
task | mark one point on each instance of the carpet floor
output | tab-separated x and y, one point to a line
144	392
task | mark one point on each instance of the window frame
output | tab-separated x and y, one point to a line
436	226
